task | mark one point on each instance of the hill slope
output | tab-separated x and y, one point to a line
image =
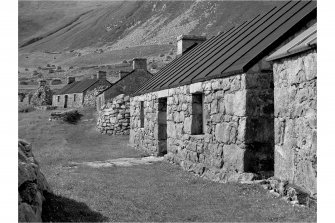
76	25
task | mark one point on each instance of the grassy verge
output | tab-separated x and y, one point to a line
156	192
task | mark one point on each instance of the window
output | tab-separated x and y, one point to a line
74	97
197	114
142	114
58	98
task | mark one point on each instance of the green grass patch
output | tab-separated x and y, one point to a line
157	192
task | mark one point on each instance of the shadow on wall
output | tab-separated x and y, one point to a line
259	135
61	209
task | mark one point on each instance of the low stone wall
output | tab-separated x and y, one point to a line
32	184
114	117
70	116
295	120
238	126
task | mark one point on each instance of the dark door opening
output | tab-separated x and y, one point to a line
162	125
65	101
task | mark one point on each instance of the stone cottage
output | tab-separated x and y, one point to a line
294	71
77	93
113	104
128	82
211	110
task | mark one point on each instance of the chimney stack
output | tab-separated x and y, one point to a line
70	80
122	73
102	75
42	83
140	63
184	42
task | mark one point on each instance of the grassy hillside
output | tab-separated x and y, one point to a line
76	25
36	18
87	33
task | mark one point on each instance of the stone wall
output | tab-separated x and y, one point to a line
236	134
42	96
113	118
90	96
295	120
71	103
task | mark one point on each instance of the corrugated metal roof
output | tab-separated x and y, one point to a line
233	51
305	41
130	73
80	86
67	87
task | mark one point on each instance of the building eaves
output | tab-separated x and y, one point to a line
305	41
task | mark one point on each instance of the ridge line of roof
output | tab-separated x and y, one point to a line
122	79
249	37
220	41
179	59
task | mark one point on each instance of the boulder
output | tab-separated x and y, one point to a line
31	185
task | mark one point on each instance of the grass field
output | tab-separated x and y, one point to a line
155	192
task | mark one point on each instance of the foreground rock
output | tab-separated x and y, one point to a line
32	184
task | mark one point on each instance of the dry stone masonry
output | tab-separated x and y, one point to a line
90	96
42	96
32	184
113	118
236	125
295	120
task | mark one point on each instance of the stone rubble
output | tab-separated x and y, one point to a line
288	192
63	115
114	117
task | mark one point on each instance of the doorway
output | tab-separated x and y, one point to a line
162	126
65	101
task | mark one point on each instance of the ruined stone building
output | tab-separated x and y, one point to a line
128	82
214	109
80	93
39	97
294	71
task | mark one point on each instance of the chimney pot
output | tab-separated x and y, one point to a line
70	80
42	83
184	42
102	75
140	63
122	73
